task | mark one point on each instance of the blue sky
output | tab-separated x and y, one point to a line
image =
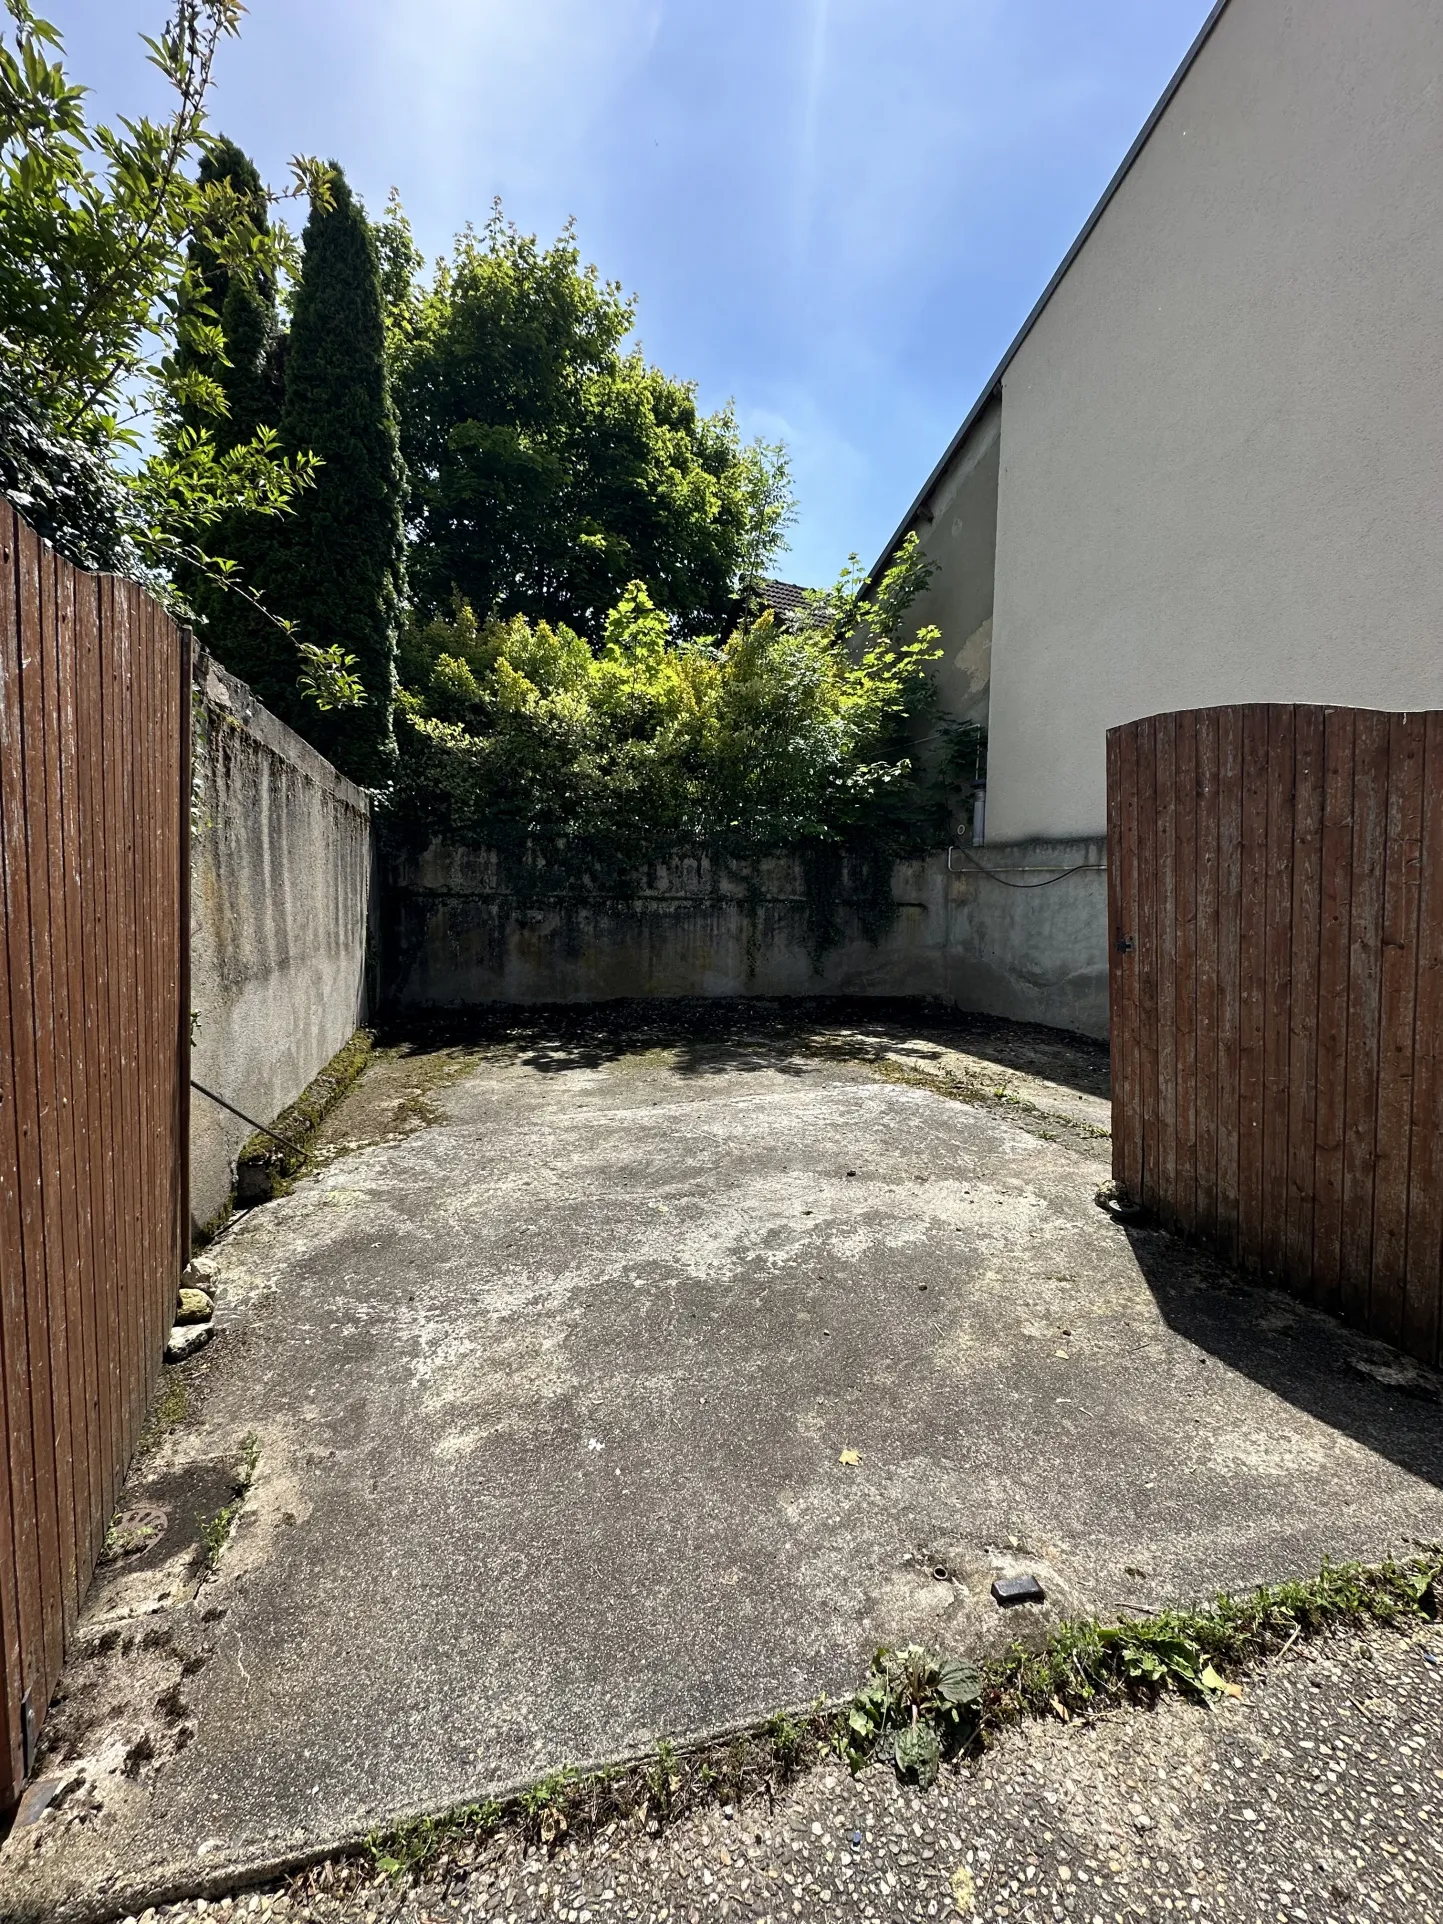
835	212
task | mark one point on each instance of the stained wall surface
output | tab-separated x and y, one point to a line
958	534
280	896
1020	933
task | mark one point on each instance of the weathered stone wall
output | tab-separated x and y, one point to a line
456	935
281	871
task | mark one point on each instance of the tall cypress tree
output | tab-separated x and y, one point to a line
249	376
339	561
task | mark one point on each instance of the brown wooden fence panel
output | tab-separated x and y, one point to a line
94	849
1276	901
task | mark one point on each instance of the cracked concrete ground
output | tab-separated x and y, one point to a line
551	1369
1318	1796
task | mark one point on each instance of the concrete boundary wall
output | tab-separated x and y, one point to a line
281	875
1027	939
455	936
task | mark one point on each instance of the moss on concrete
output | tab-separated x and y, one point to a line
265	1166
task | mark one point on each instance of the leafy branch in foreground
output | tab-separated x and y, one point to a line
328	676
95	221
105	312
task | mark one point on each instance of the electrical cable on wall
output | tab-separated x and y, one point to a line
992	875
284	1141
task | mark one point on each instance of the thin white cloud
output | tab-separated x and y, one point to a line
503	95
813	87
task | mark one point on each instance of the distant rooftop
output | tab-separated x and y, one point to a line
783	597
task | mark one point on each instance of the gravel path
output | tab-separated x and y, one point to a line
1319	1796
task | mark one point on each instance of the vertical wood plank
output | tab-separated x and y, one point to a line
1206	995
1122	890
1334	947
136	850
165	972
53	1065
94	963
1306	920
1229	1002
1147	965
122	819
110	908
21	1608
1167	969
144	986
71	1105
1423	1303
45	1272
1133	1067
1360	1141
1277	962
75	785
1184	1013
152	991
1398	989
1252	977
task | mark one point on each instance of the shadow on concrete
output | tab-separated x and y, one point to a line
727	1035
1353	1383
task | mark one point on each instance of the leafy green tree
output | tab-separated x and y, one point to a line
105	325
245	362
550	464
244	365
337	565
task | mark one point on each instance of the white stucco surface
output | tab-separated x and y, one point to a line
1222	449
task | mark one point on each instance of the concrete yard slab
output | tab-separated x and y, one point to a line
551	1380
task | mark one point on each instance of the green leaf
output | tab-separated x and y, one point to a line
959	1683
918	1752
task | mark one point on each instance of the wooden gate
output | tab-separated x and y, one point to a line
94	1042
1276	906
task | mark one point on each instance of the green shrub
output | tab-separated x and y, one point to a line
786	736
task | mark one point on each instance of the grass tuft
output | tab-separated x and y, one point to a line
215	1531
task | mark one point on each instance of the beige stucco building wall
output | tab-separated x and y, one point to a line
958	534
1222	440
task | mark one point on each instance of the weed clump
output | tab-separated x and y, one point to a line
215	1531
